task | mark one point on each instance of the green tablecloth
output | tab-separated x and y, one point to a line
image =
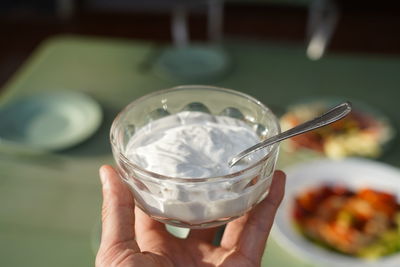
50	205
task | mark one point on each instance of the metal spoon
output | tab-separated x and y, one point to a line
332	115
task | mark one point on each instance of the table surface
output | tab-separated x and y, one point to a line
50	204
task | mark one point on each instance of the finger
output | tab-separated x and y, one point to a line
233	232
144	223
150	234
117	212
205	235
255	233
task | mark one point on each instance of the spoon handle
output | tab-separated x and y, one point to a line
332	115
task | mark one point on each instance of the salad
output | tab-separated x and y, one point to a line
358	134
363	223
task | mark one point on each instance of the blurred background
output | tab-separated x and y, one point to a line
364	26
67	67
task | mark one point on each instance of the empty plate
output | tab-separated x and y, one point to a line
193	63
49	120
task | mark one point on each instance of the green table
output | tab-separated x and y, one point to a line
50	205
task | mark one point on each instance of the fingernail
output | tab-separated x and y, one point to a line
103	176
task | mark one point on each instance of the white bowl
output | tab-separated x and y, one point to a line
353	173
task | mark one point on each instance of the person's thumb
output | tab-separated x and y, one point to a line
118	218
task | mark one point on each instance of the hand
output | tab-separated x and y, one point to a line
132	238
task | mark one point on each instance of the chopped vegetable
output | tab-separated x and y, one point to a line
363	223
358	134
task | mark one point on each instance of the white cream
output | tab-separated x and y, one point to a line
191	145
195	145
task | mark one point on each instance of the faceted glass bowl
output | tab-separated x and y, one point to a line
195	202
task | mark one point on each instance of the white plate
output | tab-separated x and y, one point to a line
195	63
49	120
353	173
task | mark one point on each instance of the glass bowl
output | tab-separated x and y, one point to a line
195	202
